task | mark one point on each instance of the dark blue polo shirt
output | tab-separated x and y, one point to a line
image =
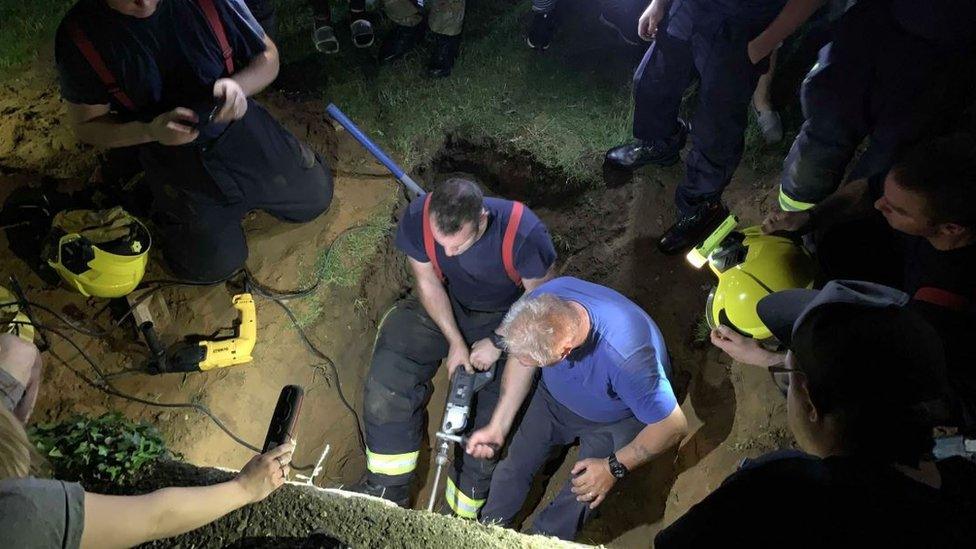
621	370
477	278
170	59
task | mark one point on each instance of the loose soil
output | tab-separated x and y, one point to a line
604	233
310	517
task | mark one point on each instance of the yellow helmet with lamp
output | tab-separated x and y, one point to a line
99	253
749	265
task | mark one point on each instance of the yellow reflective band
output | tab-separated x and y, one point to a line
391	464
460	503
791	204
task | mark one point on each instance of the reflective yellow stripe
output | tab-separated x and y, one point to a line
462	505
391	464
791	204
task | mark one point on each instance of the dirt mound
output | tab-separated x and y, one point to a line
33	133
303	516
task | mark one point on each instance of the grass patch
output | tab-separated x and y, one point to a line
564	108
343	264
25	26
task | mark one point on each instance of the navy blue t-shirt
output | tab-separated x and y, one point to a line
621	370
170	59
477	278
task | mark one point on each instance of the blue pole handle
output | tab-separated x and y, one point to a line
374	149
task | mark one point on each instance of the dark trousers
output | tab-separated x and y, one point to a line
202	191
873	80
408	352
546	426
714	47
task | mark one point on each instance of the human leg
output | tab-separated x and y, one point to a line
406	356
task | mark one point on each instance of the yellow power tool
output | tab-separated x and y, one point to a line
205	354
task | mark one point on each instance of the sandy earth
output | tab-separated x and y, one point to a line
605	235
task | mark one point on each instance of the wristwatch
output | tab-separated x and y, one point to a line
617	469
497	341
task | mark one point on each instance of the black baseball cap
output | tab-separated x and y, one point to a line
859	344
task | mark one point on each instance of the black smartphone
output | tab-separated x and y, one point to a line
206	111
282	426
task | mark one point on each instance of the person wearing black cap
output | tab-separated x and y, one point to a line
865	382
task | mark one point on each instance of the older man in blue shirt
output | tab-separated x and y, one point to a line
604	381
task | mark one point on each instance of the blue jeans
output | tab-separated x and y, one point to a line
547	426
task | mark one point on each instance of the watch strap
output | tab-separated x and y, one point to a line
497	340
617	469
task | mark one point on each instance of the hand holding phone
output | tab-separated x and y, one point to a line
285	418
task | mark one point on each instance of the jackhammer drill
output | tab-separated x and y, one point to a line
456	414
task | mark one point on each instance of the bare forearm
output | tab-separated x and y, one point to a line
179	510
516	383
434	298
793	14
653	440
261	71
124	521
109	132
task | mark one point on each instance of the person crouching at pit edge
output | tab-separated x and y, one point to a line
866	383
172	82
471	256
39	512
604	380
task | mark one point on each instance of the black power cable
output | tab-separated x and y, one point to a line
318	354
104	384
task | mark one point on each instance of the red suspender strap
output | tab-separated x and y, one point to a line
98	65
942	298
429	246
508	244
217	26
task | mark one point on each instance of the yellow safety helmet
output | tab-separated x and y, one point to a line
99	253
751	265
12	319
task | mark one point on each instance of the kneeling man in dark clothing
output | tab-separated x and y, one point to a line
172	80
866	381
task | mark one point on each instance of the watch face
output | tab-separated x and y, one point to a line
617	469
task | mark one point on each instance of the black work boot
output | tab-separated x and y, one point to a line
445	52
397	494
400	42
691	229
641	153
541	30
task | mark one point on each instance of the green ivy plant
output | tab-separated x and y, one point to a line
107	448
